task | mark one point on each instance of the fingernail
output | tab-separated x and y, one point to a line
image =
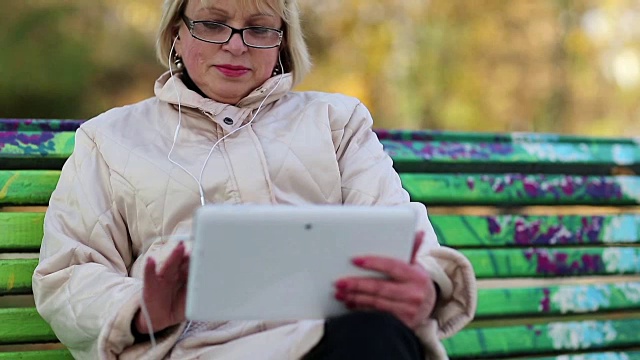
358	262
340	296
341	285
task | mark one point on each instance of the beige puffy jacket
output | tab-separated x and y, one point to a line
118	193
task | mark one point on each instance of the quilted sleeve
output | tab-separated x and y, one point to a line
81	285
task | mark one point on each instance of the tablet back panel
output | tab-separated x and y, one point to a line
253	262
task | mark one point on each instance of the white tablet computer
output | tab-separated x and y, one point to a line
253	262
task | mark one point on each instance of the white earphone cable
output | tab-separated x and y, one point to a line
234	131
177	132
198	180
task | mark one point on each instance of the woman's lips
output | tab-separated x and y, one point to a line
232	70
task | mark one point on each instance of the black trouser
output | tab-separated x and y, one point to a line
367	335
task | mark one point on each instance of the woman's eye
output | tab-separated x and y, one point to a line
212	26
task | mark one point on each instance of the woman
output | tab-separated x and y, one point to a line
225	127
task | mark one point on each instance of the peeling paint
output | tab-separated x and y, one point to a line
581	298
621	260
11	281
557	152
5	189
599	356
622	155
583	335
631	291
630	186
622	229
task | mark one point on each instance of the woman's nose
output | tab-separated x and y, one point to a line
235	45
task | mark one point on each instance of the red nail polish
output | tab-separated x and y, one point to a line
341	285
358	262
340	296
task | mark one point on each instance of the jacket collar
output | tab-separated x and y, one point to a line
228	116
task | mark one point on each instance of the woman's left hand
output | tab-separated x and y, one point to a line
408	291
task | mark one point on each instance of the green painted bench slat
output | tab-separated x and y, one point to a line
556	300
553	262
543	339
23	231
27	187
24	325
30	148
39	125
575	158
15	276
509	230
35	187
627	355
35	150
518	189
20	232
516	138
32	145
37	355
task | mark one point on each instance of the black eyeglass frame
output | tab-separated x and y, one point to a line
192	23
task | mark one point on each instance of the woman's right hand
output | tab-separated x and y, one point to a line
164	292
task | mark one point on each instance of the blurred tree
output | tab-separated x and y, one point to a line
71	59
44	66
562	66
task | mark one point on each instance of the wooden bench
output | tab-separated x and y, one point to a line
550	223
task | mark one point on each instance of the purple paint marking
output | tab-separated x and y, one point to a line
531	188
604	189
526	233
457	150
557	263
471	183
592	263
39	124
36	139
494	226
567	187
546	300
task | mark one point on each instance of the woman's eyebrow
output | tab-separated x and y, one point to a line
212	10
261	15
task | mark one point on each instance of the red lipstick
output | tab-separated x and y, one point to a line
232	70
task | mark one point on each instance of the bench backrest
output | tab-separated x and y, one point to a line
554	218
550	224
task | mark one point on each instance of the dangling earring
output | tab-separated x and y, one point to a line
277	70
178	63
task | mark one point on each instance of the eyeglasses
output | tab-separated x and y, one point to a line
259	37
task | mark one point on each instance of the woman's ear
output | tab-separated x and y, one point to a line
176	42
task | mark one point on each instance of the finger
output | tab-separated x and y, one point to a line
149	277
395	269
375	287
150	268
184	274
417	243
172	264
404	312
184	267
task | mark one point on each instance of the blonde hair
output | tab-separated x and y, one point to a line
294	53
